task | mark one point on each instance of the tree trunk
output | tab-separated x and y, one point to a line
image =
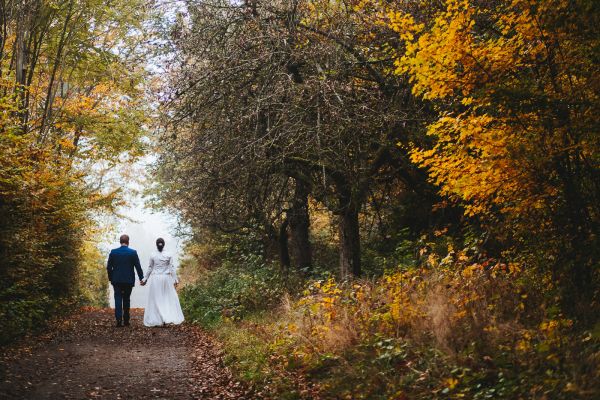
19	51
3	27
576	262
57	62
284	252
299	226
349	242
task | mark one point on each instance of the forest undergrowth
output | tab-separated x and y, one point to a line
453	323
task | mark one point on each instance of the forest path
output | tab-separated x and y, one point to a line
87	357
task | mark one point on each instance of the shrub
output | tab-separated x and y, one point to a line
456	327
234	290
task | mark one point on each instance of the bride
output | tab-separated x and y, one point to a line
163	304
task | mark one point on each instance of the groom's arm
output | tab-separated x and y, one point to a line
110	266
138	266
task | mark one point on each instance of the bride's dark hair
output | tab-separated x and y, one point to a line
160	244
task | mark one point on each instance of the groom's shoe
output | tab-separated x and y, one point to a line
126	322
119	324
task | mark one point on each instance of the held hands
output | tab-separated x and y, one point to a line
143	283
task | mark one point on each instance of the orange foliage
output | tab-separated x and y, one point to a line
517	98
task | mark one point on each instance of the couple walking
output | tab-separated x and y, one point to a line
163	304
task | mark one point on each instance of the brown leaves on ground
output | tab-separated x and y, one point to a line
86	356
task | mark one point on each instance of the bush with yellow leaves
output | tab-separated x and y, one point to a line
456	327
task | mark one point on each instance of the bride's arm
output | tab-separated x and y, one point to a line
173	270
150	268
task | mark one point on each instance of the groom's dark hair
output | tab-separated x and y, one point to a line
124	239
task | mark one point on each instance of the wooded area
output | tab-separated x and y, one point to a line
407	176
70	113
386	199
478	115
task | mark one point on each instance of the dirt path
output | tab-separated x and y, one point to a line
86	357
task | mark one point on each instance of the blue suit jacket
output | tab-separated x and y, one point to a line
121	264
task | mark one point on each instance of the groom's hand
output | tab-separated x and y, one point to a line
142	283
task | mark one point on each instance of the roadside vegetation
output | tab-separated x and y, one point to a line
71	115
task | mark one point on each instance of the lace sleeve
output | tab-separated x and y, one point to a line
173	270
150	268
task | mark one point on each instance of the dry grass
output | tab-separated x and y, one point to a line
445	330
446	308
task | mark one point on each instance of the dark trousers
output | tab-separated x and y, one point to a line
122	300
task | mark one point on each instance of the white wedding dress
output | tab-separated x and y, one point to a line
163	303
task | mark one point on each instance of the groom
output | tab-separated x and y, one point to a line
121	275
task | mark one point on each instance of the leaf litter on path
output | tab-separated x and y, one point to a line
87	357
